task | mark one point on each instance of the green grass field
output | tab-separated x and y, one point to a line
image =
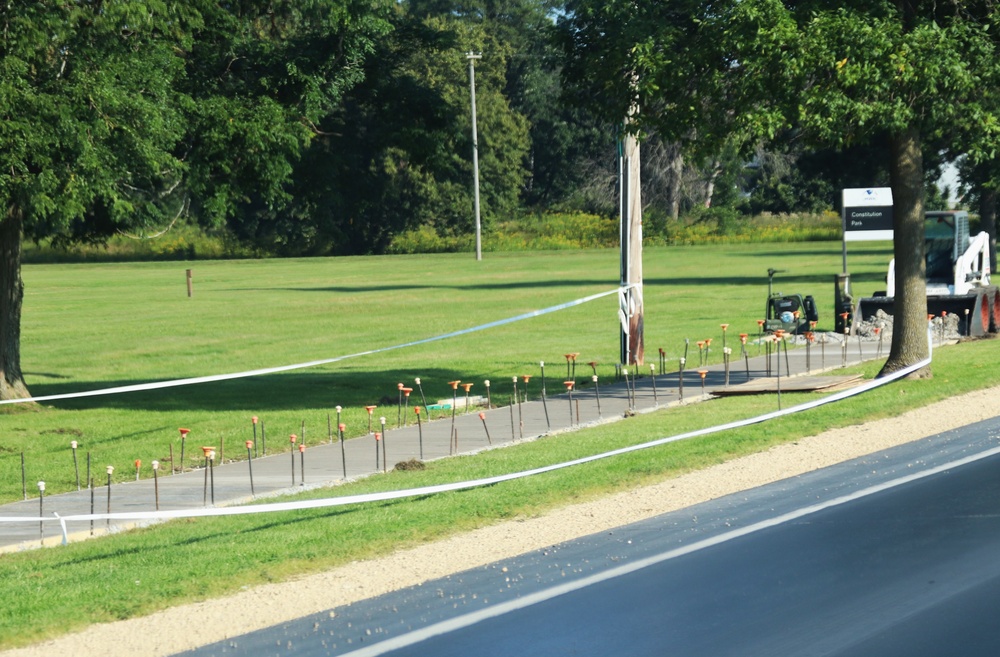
53	591
94	326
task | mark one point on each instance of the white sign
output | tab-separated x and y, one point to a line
867	214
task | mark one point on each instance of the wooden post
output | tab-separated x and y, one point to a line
189	284
631	310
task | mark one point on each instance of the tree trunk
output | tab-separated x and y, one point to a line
675	173
710	185
11	295
909	331
988	219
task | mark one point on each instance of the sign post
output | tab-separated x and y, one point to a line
866	215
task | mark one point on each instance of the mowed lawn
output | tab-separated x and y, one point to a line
94	326
53	591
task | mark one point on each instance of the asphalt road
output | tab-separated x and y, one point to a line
892	554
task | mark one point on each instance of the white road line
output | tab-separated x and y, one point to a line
466	620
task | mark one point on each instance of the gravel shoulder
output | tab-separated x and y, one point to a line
189	626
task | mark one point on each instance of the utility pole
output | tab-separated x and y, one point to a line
630	311
475	152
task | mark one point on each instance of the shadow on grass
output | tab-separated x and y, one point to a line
708	281
148	550
275	392
852	250
443	285
784	280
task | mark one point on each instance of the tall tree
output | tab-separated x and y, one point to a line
918	72
397	153
115	115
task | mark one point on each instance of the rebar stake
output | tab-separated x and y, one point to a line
597	393
482	416
545	405
420	431
569	389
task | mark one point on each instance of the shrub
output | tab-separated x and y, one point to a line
426	239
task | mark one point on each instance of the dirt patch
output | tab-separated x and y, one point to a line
193	625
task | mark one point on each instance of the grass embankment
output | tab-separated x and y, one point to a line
95	326
53	591
91	326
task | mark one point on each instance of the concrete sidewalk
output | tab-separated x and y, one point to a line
326	463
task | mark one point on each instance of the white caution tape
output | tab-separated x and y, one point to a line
463	485
298	366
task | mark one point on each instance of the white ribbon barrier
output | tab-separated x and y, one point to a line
158	385
462	485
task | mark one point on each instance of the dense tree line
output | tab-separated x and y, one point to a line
329	126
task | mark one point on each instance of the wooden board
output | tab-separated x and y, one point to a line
807	383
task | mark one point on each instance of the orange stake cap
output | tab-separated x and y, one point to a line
703	373
407	391
184	432
467	386
416	409
302	448
569	384
760	322
254	419
378	435
207	450
249	444
342	426
292	438
724	326
399	385
482	416
138	463
526	377
454	384
370	409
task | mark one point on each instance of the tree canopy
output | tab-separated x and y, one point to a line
116	114
911	72
314	127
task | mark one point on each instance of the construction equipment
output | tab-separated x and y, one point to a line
787	312
843	302
958	276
